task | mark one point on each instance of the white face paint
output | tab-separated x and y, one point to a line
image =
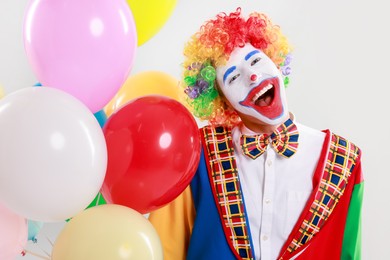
253	85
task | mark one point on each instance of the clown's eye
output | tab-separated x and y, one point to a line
255	61
234	78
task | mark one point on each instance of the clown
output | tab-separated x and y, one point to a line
266	187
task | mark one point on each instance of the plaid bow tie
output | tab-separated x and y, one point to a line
284	140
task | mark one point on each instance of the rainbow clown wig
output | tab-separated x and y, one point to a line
212	46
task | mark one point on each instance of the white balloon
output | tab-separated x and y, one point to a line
53	154
15	70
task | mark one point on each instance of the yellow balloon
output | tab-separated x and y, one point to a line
109	231
150	16
144	83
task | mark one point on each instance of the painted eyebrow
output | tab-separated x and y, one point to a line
251	54
228	71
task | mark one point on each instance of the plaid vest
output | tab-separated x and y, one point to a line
225	184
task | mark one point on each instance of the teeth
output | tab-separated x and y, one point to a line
262	92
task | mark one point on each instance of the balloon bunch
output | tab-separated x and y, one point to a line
61	158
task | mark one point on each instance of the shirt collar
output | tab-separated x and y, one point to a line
246	131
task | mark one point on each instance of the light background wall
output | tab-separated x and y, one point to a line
340	79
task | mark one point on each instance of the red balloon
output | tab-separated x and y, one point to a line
153	152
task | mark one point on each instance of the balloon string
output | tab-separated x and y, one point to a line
37	255
35	224
51	243
47	238
46	253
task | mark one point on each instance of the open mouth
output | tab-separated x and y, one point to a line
265	98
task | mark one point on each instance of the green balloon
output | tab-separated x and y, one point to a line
98	200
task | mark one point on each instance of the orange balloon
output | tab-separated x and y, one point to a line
142	84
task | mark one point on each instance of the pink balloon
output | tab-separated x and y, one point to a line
83	47
13	234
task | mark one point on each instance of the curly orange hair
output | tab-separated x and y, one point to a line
211	47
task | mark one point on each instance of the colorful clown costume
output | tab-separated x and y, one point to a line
213	219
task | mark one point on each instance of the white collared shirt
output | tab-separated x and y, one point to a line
276	188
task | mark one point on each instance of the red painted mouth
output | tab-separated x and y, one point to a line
265	98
